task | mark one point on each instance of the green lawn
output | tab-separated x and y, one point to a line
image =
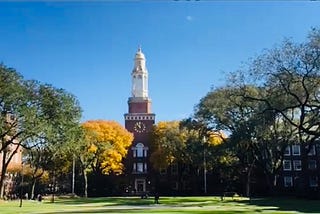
201	205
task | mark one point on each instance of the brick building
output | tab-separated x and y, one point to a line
139	120
300	171
13	151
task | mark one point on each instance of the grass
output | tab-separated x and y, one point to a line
199	205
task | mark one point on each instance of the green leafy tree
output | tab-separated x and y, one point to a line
201	137
62	112
37	160
19	119
290	77
223	109
268	106
32	114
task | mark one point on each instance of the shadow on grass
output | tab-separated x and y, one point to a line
177	205
147	211
106	201
109	201
286	204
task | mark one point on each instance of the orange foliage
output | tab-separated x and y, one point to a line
14	167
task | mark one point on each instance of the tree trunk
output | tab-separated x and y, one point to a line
85	176
248	181
73	174
270	180
33	187
53	185
2	184
3	173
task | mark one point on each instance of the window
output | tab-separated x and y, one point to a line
287	151
140	150
288	181
286	165
313	181
297	165
312	164
174	169
312	151
296	150
139	167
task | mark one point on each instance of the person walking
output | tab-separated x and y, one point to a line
156	198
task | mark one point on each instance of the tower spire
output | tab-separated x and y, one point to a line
139	75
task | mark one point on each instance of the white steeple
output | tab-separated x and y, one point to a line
139	76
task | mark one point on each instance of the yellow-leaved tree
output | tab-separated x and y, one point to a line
216	138
104	145
169	144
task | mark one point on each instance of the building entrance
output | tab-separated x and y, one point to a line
140	185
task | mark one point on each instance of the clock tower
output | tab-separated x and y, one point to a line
139	121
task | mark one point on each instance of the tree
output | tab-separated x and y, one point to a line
103	148
202	137
269	147
181	142
18	118
269	105
223	109
12	98
290	77
257	138
59	113
32	114
37	161
168	144
169	149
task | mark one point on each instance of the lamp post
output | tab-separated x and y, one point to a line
204	140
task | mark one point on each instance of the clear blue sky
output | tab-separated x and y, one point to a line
88	48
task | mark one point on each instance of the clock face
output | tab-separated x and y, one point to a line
139	127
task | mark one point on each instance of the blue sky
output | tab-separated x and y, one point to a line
88	48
